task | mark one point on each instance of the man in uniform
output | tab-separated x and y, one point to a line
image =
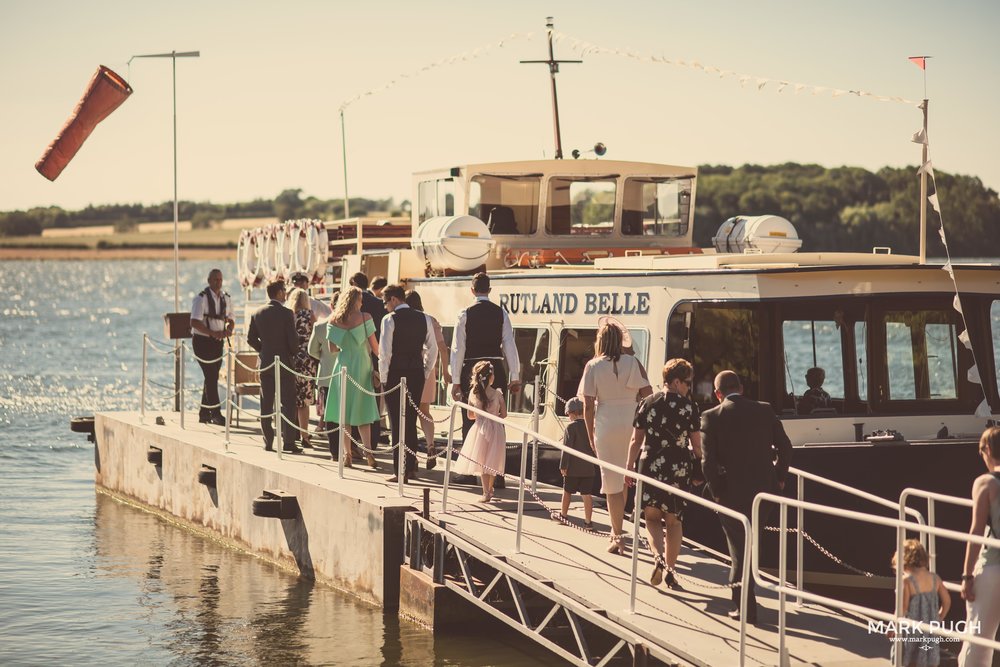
211	324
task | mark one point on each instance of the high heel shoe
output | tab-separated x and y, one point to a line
372	463
617	546
348	462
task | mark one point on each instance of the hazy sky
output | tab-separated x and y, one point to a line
258	112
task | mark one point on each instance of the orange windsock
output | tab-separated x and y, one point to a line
105	93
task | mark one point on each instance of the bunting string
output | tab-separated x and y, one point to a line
466	56
983	410
583	48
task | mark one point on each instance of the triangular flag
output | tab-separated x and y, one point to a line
919	61
984	410
963	338
973	375
944	240
933	199
957	304
948	269
928	167
919	137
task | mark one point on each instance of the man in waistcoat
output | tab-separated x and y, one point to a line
211	324
272	334
407	349
372	305
483	332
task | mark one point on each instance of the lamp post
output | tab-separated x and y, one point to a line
174	55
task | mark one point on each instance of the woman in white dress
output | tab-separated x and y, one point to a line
612	385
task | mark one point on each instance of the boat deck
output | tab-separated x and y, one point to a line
691	624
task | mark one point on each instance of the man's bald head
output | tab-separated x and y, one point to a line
728	382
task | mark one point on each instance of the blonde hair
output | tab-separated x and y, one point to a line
609	342
914	554
298	299
345	304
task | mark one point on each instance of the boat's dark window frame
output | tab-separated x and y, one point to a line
437	200
636	226
565	212
525	215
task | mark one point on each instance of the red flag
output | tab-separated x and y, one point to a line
919	61
105	93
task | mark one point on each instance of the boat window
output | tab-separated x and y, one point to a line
444	390
995	330
533	352
921	355
656	207
507	204
715	338
435	198
581	207
810	344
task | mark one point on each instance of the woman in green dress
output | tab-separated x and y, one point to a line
353	333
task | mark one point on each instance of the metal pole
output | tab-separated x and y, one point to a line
635	547
343	144
553	70
344	445
923	190
142	384
782	576
931	537
447	459
401	435
534	441
520	490
800	520
180	391
279	430
229	390
900	536
177	294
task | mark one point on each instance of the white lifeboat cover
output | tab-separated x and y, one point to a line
456	242
760	233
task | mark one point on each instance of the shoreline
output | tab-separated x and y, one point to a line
29	253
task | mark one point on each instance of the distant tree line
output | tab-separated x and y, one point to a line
288	205
846	208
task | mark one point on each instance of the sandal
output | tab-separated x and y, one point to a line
431	457
372	463
617	546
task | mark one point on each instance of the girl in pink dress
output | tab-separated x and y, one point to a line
484	450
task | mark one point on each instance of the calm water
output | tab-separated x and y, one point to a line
85	579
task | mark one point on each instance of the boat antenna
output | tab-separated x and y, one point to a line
553	70
921	138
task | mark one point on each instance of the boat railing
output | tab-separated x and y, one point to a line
800	533
897	621
931	538
531	433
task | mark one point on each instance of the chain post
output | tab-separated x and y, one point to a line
142	384
800	519
180	391
401	435
534	441
279	430
230	361
520	492
344	445
635	545
447	458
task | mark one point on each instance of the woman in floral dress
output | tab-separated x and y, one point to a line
665	424
305	365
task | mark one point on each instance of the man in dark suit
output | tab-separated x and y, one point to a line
407	349
272	334
746	452
372	305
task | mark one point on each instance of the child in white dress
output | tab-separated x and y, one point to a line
484	450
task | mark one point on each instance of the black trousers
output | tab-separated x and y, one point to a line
414	387
499	382
209	348
735	541
288	424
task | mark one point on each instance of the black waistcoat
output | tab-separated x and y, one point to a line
483	331
408	334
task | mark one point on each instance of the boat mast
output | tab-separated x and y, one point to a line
553	70
923	186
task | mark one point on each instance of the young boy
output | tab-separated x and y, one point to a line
815	396
578	475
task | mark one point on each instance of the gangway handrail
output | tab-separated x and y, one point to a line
638	477
900	525
931	497
801	475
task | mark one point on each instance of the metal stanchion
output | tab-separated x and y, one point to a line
782	569
230	360
447	459
800	520
534	441
401	435
279	430
520	491
345	444
180	391
635	544
142	383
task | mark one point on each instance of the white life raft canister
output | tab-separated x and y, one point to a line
758	233
456	242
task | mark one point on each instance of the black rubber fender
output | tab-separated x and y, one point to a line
82	425
155	456
207	476
267	507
